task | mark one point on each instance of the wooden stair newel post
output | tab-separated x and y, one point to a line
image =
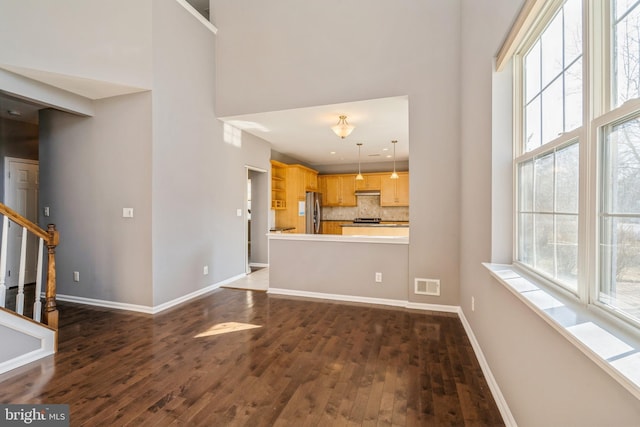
50	308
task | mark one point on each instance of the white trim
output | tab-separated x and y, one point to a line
145	308
366	300
258	264
392	240
337	297
199	17
501	402
105	303
44	334
22	360
432	307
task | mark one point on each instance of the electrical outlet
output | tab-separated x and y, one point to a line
473	304
76	276
378	277
205	270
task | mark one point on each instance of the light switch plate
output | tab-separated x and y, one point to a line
238	212
46	211
127	212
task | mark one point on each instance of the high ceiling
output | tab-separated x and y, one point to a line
306	134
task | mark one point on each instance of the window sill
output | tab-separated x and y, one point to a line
606	343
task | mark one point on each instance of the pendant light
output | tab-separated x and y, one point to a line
394	175
359	177
342	128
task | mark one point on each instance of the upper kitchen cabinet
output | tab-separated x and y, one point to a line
338	190
370	182
301	179
278	185
394	192
295	181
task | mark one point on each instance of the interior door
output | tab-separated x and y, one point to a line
21	195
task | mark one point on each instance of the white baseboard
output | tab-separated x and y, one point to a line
507	416
24	359
105	303
433	307
258	264
145	308
366	300
337	297
45	335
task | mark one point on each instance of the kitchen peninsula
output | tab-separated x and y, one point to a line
362	251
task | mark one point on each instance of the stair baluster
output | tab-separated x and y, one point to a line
23	264
3	260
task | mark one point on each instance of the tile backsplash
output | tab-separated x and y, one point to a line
368	207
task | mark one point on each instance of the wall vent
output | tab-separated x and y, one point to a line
427	287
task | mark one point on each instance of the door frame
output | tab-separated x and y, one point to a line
248	168
7	190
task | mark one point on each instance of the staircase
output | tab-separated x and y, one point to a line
26	333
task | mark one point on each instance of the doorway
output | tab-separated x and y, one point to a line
256	219
21	194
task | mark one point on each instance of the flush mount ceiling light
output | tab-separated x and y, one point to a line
14	113
359	177
394	175
342	128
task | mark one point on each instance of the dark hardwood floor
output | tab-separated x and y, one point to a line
304	363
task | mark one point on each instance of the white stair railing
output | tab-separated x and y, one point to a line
50	237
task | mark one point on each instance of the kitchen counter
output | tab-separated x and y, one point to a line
376	229
381	224
282	229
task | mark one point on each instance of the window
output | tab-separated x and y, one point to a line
619	281
553	79
548	214
626	51
577	152
548	164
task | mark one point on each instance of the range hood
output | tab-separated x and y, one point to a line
367	192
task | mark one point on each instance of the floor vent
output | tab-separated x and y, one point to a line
427	287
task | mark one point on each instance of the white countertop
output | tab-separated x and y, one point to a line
394	240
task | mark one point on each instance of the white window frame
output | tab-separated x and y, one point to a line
593	329
581	134
598	113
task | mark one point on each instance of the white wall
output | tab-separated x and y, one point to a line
546	380
199	180
91	168
339	268
108	40
286	54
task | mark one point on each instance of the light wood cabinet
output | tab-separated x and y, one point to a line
370	182
298	180
394	192
338	190
278	185
332	227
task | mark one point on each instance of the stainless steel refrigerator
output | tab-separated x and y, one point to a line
313	213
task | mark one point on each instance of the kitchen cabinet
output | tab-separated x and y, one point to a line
338	190
371	181
394	192
298	180
332	227
278	185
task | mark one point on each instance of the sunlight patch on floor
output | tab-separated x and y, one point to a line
223	328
